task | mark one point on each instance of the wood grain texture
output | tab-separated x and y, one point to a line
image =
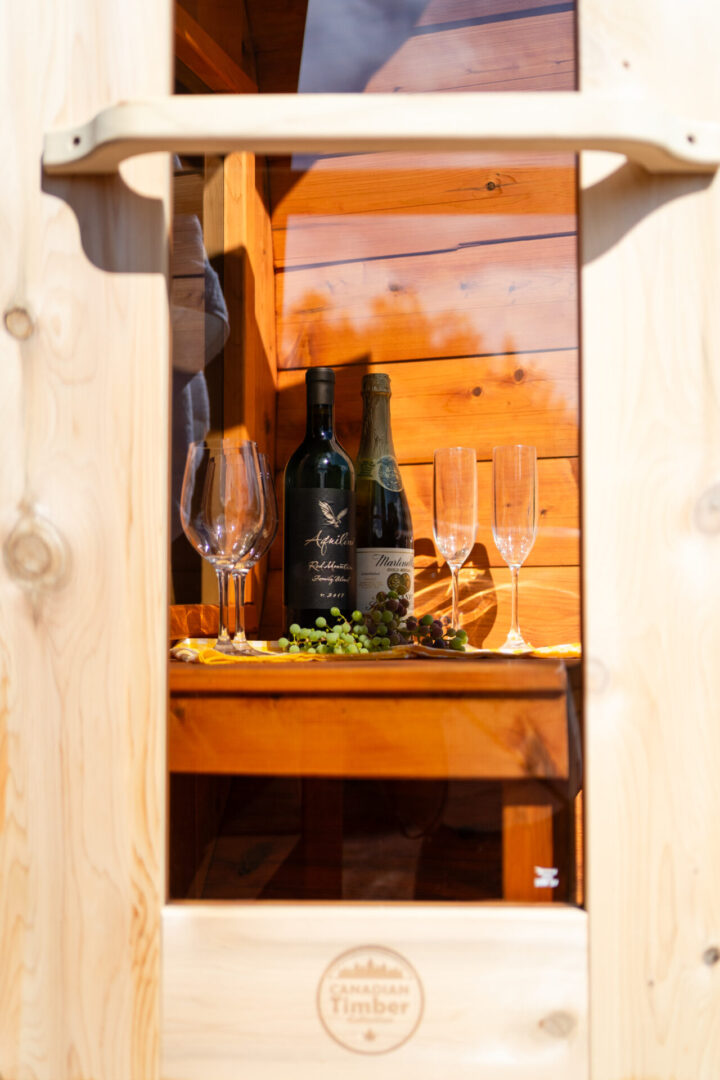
510	296
438	12
250	354
528	811
523	677
383	186
83	431
549	602
558	537
483	736
226	23
521	54
465	401
201	620
491	1007
250	361
206	59
188	192
651	272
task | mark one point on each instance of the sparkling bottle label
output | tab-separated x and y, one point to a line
321	533
380	569
385	470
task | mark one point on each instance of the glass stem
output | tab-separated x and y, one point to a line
515	628
239	579
222	577
455	573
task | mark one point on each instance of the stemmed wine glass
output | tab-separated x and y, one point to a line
222	509
514	521
455	509
242	568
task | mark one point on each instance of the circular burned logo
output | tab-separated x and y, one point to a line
370	1000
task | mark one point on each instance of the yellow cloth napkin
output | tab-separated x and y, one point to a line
202	651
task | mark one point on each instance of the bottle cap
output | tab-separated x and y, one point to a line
320	374
377	382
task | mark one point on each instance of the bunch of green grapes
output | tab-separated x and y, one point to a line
386	623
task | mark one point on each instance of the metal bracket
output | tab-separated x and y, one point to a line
343	123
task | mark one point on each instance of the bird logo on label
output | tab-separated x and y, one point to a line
329	514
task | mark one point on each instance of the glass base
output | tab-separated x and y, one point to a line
241	647
224	645
515	645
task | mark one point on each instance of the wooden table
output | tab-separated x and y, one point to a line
494	719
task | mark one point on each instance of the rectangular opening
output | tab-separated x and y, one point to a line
456	275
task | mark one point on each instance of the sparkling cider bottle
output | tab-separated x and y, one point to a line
385	558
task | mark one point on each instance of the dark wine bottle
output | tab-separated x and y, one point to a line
385	558
319	570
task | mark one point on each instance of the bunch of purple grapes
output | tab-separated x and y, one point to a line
385	624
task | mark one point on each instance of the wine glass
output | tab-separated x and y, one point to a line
514	521
221	509
455	509
242	568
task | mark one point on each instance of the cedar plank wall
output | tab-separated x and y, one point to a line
458	277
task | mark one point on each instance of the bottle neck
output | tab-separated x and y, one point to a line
320	419
376	436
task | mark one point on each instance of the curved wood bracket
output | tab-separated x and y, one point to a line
341	123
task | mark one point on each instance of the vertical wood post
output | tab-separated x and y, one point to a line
651	477
83	531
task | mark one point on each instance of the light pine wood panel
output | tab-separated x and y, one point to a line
549	602
651	381
490	1007
531	54
472	401
500	298
558	538
83	436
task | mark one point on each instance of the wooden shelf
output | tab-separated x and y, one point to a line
500	719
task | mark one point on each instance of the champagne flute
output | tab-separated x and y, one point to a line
222	509
514	521
455	510
242	568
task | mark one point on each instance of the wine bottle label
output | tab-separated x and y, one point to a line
385	470
380	569
320	531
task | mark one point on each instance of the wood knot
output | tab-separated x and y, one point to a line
597	676
35	553
711	956
18	323
476	391
707	511
518	374
558	1025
